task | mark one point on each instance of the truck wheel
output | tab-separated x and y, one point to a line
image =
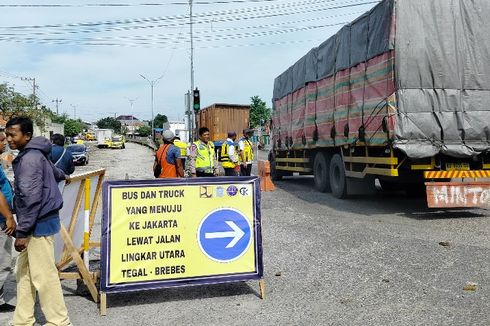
275	175
338	182
321	173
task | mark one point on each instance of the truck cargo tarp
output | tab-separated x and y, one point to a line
440	51
443	69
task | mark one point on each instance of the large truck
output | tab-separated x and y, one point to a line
104	137
402	95
220	118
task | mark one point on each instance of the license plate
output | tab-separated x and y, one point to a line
457	166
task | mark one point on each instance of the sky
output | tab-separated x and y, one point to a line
91	54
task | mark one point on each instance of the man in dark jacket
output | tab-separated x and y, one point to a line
60	156
37	202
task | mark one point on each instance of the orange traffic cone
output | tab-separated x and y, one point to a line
265	176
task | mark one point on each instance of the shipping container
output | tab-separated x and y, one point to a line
220	118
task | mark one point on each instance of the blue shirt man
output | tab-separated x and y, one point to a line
7	228
60	156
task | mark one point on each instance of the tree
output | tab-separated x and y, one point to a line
144	131
159	120
259	112
73	127
14	104
109	123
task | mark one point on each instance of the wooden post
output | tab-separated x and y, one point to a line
103	304
262	288
87	278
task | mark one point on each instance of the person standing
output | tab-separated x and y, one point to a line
202	162
182	146
37	202
229	155
168	157
7	229
60	156
246	153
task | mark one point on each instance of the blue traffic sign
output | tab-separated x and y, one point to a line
224	235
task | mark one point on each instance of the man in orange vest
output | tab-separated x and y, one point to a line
168	156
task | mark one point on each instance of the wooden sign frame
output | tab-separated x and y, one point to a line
72	254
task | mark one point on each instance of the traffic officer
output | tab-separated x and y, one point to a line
182	147
246	152
229	155
201	156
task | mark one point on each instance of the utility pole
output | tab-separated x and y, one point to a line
58	101
33	80
189	108
152	85
74	111
188	114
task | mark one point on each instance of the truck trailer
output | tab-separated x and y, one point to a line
402	95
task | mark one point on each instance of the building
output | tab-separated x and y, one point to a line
130	123
179	129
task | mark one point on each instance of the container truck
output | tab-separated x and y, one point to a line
402	95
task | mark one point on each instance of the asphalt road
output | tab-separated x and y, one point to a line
369	260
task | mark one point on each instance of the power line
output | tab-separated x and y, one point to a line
95	41
177	40
130	4
165	44
178	36
221	13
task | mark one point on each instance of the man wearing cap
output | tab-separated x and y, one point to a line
168	156
229	155
246	153
201	156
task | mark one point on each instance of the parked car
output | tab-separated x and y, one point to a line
79	153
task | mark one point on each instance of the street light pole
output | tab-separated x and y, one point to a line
152	84
131	101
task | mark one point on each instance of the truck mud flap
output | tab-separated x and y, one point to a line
365	186
458	194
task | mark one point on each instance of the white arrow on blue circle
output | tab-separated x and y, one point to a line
236	234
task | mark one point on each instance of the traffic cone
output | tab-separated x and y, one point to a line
265	176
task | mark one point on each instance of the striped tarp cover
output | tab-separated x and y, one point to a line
362	95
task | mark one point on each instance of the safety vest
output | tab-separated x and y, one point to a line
225	159
247	150
182	146
168	170
205	156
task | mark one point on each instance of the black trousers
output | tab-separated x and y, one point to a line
246	171
230	172
203	174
